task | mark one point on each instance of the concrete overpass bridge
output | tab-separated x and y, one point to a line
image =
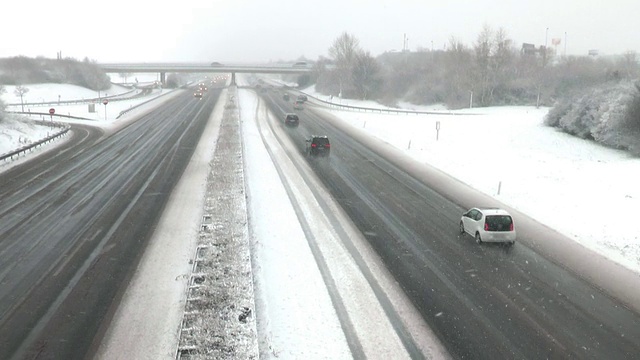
164	68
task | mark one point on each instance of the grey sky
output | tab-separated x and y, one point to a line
255	31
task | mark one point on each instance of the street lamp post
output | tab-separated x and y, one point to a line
546	36
470	99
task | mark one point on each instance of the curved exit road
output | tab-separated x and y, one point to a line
74	222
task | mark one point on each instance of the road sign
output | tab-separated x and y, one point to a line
52	111
105	101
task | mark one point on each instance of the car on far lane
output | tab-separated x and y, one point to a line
488	225
291	119
298	105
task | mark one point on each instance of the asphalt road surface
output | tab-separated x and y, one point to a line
484	302
74	222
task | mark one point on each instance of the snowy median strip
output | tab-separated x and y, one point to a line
219	316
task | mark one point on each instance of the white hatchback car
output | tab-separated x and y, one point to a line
490	225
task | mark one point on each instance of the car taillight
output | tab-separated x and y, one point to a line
511	227
486	226
313	145
327	145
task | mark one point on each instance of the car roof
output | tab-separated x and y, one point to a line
320	136
292	114
492	211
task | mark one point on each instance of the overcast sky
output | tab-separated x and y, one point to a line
263	30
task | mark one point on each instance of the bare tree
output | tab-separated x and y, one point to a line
344	51
483	50
630	64
365	74
458	70
502	65
20	91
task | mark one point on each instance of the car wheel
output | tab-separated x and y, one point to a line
461	228
478	239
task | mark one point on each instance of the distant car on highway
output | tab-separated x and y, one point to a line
318	145
488	225
198	94
291	119
300	64
285	97
298	105
302	98
215	63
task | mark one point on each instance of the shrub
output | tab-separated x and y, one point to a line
630	125
608	114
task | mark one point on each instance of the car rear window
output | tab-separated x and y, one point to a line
499	222
321	141
292	117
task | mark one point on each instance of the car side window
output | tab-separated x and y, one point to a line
478	216
472	214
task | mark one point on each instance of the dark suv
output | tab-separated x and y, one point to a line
291	119
318	145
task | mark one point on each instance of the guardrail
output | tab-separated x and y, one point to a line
30	147
368	109
381	110
66	128
47	114
144	102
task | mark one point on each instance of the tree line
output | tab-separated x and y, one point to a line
490	72
21	70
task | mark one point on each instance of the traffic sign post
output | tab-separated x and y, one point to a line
437	130
105	102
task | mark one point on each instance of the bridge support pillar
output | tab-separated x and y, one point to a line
163	78
233	79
